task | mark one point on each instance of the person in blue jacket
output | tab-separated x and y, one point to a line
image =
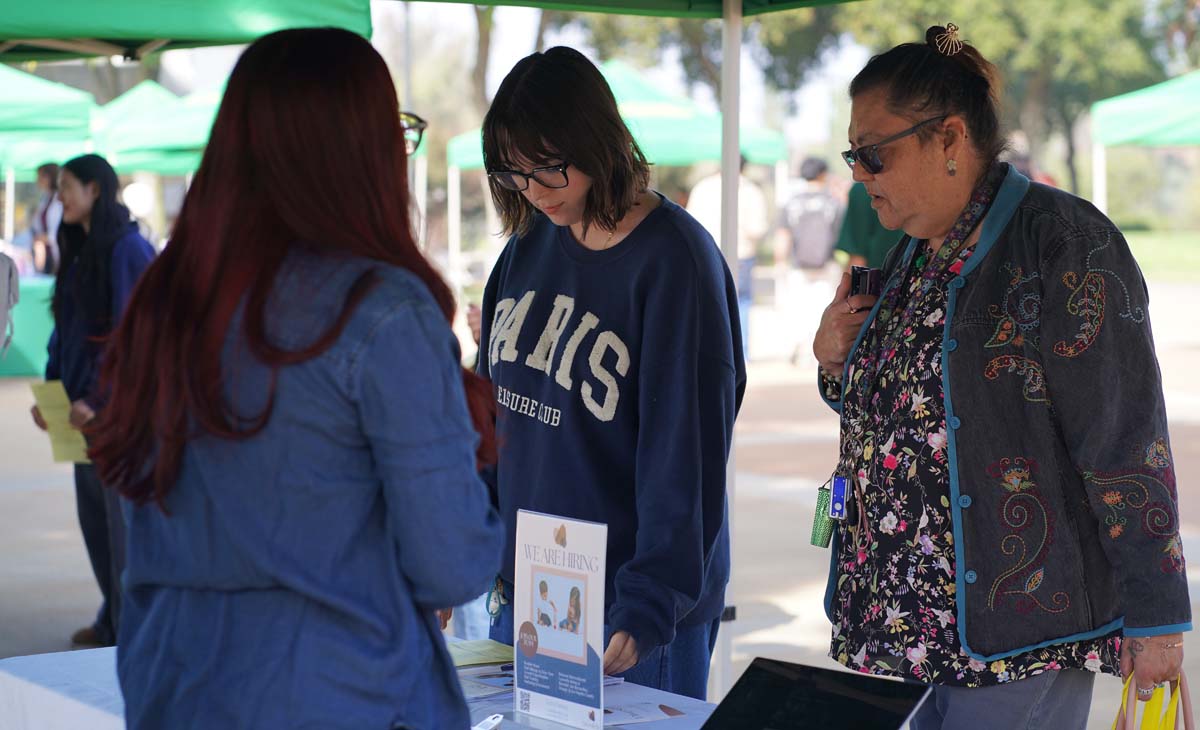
291	427
611	336
102	257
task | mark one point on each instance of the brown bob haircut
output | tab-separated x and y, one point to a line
556	106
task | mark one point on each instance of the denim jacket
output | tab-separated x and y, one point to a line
294	581
1066	525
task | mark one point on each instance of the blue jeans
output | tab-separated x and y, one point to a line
470	620
680	667
1057	700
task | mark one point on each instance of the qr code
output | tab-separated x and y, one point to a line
524	701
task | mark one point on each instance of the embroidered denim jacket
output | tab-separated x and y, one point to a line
1066	524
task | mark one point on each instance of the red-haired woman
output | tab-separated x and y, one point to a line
290	425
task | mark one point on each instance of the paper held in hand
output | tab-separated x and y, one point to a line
558	619
66	442
479	652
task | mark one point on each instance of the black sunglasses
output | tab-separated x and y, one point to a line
869	156
552	176
414	129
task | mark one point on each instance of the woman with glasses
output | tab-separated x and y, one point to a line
1013	528
289	423
610	334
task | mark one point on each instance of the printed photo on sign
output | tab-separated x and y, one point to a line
558	619
558	600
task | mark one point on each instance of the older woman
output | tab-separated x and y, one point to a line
1014	527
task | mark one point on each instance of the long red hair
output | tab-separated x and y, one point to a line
306	150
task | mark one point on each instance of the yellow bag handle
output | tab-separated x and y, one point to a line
1154	718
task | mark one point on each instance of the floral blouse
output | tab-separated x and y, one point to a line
894	607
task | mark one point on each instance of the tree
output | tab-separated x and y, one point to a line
484	18
1179	21
1057	57
786	45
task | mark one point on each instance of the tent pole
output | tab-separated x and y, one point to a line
454	229
421	188
408	95
731	48
10	204
781	183
1099	178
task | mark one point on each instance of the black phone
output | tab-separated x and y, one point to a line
865	280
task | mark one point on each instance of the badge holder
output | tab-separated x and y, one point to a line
832	507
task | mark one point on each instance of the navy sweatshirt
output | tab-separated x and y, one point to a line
618	375
74	354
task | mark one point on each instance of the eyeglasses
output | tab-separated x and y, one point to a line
869	155
414	129
553	176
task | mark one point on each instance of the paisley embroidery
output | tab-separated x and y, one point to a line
1035	380
1087	301
1150	491
1032	524
1018	318
1019	315
1158	456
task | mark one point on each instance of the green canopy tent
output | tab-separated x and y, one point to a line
156	133
167	134
25	157
662	8
1163	115
125	127
135	28
36	112
670	130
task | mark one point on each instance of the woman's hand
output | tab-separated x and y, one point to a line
81	414
444	615
1153	661
621	655
840	325
37	417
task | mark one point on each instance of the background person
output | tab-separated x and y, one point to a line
862	236
808	226
35	250
1015	539
47	216
103	255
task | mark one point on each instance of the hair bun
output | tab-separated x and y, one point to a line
944	39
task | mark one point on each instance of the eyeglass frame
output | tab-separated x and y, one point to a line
858	155
560	167
417	125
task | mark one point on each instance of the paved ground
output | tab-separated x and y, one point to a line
786	446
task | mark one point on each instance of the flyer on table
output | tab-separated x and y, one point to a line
558	619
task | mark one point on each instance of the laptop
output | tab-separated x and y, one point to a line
776	695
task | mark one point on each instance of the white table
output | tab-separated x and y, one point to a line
66	691
696	711
78	689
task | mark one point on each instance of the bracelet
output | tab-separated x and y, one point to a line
837	378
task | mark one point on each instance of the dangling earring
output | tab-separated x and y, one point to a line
952	167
